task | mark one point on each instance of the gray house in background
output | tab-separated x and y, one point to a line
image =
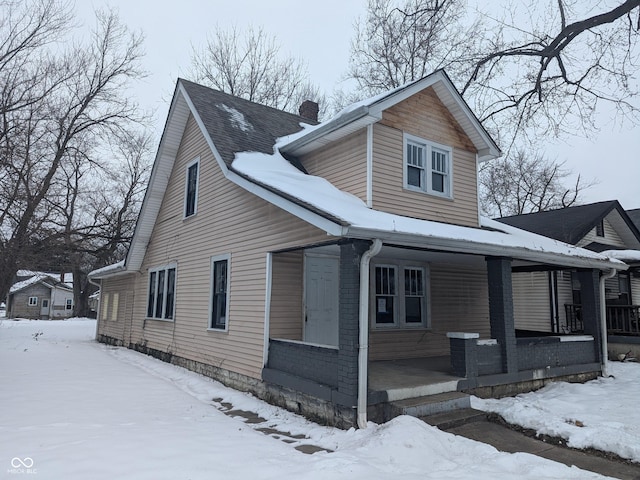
40	296
551	301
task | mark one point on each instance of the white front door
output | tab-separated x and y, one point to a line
321	300
44	308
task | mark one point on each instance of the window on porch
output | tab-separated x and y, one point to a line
400	296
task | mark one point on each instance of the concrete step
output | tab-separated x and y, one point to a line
454	418
430	405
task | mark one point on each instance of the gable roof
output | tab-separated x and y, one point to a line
247	126
369	111
232	127
634	215
42	278
571	224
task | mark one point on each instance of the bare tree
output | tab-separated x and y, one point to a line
400	43
93	220
544	71
250	65
527	183
55	108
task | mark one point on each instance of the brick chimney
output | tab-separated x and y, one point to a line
309	110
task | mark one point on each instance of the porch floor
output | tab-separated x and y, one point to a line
413	377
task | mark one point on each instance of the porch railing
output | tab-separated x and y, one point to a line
621	319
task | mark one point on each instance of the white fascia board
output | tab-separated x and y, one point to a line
486	249
333	130
302	213
158	180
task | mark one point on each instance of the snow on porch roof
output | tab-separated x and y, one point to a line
359	221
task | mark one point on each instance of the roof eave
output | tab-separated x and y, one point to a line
486	249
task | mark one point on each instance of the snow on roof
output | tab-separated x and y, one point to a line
623	255
276	172
237	118
109	269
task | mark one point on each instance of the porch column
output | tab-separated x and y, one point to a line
590	301
503	327
349	298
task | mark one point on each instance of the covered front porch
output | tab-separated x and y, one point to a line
459	336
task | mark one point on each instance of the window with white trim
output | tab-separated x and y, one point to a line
114	306
161	293
400	296
191	189
219	292
427	166
68	304
33	301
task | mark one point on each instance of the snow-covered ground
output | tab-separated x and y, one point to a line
602	414
75	409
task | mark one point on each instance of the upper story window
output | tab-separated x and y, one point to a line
162	293
600	228
427	166
191	189
400	296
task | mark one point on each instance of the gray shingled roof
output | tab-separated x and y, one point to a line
568	225
634	215
238	125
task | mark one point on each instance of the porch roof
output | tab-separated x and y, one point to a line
358	221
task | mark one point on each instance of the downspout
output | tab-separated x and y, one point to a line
603	320
363	347
98	316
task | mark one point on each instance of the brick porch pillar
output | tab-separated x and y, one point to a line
348	330
503	327
590	298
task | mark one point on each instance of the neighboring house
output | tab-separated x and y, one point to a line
331	269
551	301
634	215
38	295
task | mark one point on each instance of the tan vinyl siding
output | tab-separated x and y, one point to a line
111	315
424	116
531	301
285	319
343	163
611	237
458	302
229	220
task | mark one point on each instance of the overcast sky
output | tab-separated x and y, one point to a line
320	33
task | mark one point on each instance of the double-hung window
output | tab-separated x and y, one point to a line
400	296
191	189
162	293
427	166
219	292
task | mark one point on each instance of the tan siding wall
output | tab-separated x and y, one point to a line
112	321
425	116
229	220
531	303
285	320
459	302
343	163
